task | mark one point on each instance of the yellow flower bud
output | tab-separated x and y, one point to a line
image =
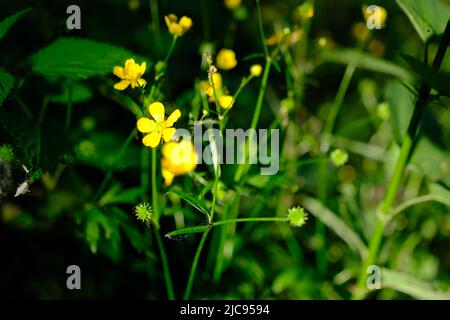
256	70
232	4
226	59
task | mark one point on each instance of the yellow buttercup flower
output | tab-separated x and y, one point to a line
178	159
232	4
178	27
226	59
159	128
226	101
130	75
255	70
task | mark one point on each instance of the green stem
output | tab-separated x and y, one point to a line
402	160
155	188
43	110
242	168
162	251
169	53
187	292
145	173
165	264
69	105
154	11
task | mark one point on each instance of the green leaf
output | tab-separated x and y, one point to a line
428	17
6	84
186	231
431	160
196	203
74	58
80	93
332	221
115	195
100	150
8	22
365	61
401	107
412	286
440	192
434	79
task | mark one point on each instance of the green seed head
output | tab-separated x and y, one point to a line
144	212
6	153
297	216
339	157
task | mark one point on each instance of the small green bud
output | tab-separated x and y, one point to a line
339	157
6	153
144	212
383	111
297	216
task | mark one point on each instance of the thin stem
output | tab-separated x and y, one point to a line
43	110
69	105
260	219
154	11
24	108
187	292
242	168
162	251
155	187
145	173
169	53
261	30
165	265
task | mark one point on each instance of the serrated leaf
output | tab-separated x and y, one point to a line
6	84
365	61
8	22
196	203
75	59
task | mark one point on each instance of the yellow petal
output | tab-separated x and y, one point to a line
152	140
226	101
145	125
168	134
141	82
173	118
129	63
167	149
143	67
122	85
118	71
168	177
185	23
156	109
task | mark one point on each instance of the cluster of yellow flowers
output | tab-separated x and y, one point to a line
179	158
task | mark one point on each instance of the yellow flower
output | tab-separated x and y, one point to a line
178	27
130	75
226	59
232	4
369	14
255	70
207	87
306	11
159	128
225	101
178	158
